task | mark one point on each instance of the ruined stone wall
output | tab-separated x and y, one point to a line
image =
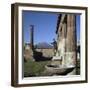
46	52
28	53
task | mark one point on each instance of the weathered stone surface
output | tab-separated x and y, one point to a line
66	40
49	52
71	33
28	53
71	41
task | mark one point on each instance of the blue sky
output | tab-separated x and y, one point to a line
78	27
44	26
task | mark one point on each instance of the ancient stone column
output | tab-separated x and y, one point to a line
64	43
29	48
71	42
31	36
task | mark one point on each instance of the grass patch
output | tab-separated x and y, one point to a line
33	68
36	68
